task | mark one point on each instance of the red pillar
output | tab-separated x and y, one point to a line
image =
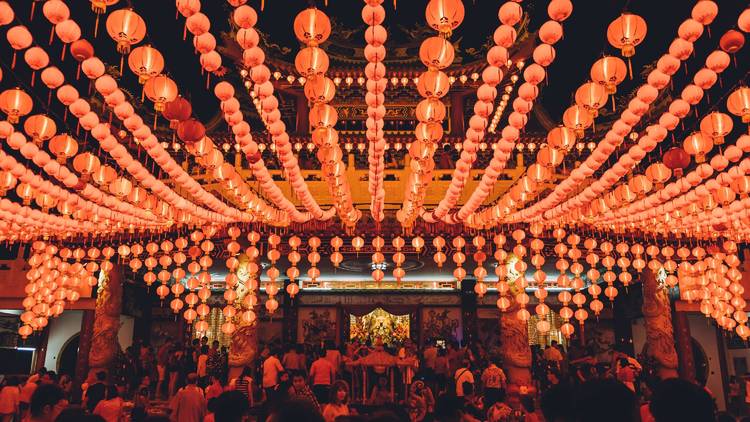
84	347
303	115
683	343
457	113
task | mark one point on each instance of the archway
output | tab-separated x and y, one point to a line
66	363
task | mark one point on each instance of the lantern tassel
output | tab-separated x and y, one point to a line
122	61
155	117
33	8
184	31
613	103
630	68
262	5
96	26
13	62
62	58
33	78
51	34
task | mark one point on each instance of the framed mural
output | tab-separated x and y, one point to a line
441	323
317	325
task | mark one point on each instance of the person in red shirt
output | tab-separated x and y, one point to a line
322	375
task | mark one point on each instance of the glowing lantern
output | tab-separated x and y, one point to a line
312	26
63	147
625	33
676	159
444	15
86	164
146	62
738	103
40	128
592	97
698	145
15	103
126	28
609	71
19	38
161	90
716	125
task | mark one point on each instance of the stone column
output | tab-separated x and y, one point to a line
514	346
104	346
659	332
684	345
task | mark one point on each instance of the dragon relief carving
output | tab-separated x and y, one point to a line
104	345
514	345
659	332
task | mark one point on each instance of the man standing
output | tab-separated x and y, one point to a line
271	368
322	374
493	380
463	375
189	404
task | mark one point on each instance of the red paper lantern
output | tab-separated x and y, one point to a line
191	131
676	159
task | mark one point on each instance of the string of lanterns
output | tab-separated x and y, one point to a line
549	33
375	36
436	53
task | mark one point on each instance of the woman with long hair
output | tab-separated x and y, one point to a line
338	404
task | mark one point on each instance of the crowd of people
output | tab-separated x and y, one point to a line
438	382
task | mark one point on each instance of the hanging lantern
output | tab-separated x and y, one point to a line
716	125
312	26
126	28
676	159
40	128
625	33
609	71
592	97
698	145
738	103
161	90
15	103
444	15
146	62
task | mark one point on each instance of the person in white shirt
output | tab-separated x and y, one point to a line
271	368
461	376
